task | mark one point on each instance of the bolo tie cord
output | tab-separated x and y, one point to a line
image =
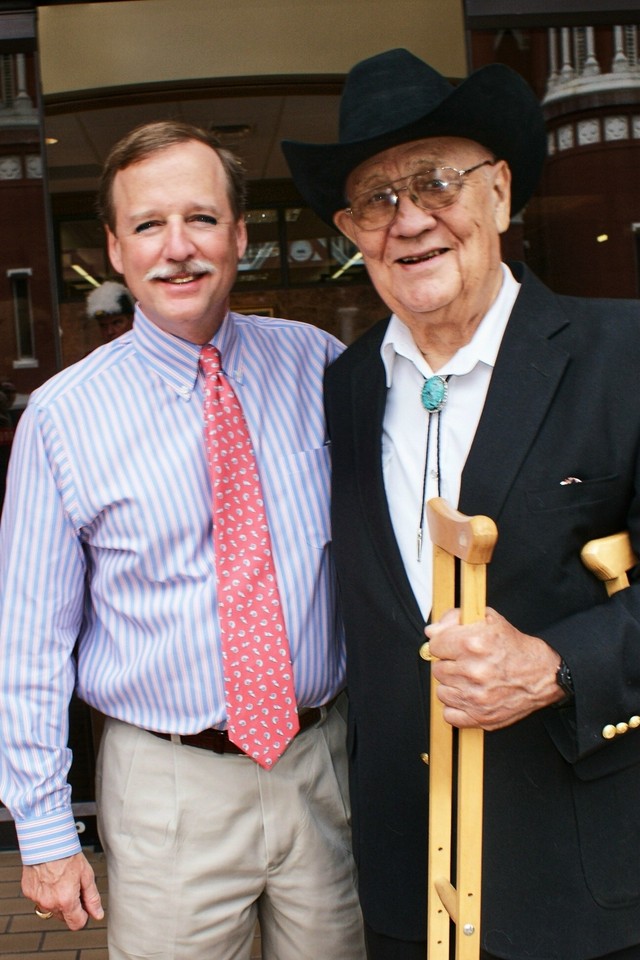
433	397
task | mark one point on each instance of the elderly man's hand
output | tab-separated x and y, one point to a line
490	674
65	887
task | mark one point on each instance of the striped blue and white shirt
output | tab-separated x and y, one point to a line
106	548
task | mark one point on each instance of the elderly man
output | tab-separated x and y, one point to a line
487	389
165	548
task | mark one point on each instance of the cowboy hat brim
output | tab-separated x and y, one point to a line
494	106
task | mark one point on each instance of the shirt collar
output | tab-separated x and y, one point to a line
482	348
176	360
228	340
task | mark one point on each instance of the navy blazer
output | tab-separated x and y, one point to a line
562	822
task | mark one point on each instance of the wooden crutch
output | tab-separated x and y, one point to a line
610	558
471	541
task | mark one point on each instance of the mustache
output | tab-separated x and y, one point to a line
168	271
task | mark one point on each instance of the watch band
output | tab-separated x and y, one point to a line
565	682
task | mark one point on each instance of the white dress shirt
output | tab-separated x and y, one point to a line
405	426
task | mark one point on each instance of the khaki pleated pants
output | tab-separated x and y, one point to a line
200	845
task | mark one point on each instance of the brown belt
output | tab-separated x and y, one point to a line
218	740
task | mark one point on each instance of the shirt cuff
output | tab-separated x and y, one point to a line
50	837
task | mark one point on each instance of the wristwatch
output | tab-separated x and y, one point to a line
565	682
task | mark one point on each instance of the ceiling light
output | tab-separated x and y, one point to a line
230	132
261	216
602	237
356	258
85	276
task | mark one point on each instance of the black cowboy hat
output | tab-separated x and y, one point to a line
394	97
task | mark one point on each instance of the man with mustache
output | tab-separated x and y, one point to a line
118	582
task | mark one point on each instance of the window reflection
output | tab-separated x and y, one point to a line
314	252
261	264
82	257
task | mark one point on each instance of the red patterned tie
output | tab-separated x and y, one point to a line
258	676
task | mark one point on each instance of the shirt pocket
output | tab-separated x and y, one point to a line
306	478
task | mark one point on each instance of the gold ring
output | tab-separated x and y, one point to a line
43	914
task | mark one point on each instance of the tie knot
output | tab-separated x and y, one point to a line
210	360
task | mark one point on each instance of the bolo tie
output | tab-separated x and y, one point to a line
433	397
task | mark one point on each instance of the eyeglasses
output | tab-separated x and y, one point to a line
429	190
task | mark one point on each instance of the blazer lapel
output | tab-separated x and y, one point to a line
369	396
528	369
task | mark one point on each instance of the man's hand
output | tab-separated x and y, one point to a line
65	887
490	674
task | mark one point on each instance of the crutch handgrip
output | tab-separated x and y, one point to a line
609	558
470	539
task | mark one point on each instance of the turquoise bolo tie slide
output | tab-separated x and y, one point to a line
434	394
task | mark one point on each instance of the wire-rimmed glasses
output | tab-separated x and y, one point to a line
429	189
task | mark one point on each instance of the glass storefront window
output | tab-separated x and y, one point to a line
315	254
82	257
261	264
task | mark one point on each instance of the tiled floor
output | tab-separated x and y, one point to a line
24	937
